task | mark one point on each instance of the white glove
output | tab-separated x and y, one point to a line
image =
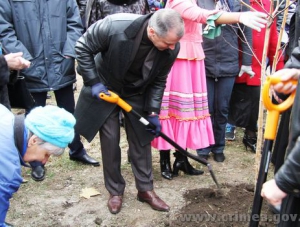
248	70
254	20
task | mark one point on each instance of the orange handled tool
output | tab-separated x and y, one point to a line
273	113
114	98
274	109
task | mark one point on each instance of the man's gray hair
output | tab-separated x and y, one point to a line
165	20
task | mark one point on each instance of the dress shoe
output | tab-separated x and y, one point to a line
85	159
114	203
8	225
219	157
48	95
38	173
153	200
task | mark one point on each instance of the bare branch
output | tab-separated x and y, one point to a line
277	57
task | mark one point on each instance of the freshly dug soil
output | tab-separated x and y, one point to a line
231	205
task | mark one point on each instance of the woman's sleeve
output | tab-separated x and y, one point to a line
191	11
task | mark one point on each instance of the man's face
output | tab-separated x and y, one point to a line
163	43
35	152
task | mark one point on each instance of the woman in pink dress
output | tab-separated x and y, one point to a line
184	115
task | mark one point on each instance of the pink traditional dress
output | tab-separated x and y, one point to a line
184	112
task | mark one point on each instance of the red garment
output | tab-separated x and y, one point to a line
258	45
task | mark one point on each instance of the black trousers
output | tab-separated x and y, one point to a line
65	99
248	95
281	141
141	157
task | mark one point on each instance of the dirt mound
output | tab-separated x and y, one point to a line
228	206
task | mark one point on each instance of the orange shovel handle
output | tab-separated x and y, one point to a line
271	80
114	98
274	109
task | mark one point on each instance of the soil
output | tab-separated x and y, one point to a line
194	200
224	207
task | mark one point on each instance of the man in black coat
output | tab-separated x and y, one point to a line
133	56
284	189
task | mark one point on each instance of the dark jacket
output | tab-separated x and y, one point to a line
45	36
222	53
288	176
4	78
115	41
99	9
81	5
293	62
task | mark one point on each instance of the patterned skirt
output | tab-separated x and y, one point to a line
184	114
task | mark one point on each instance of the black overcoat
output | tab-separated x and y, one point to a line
114	42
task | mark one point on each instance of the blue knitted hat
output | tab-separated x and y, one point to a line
52	124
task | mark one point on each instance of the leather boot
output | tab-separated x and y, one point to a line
165	165
182	163
249	140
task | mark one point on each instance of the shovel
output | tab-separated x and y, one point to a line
270	132
114	98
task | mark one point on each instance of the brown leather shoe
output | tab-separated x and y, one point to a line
153	200
114	203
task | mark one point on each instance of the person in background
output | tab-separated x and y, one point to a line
50	49
184	113
99	9
222	65
282	136
156	4
283	190
45	131
13	61
130	55
281	142
247	88
82	5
